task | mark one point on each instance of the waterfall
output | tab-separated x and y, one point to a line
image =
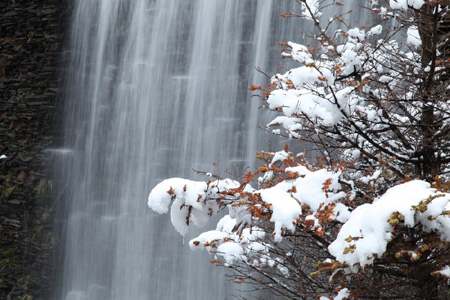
155	88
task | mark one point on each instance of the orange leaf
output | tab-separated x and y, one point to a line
171	192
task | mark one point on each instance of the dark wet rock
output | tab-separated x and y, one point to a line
31	39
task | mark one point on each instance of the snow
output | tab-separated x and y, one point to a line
285	209
367	179
189	200
314	6
357	33
413	37
366	234
378	29
314	94
342	295
279	156
311	192
324	93
233	248
444	272
196	202
299	53
404	4
230	252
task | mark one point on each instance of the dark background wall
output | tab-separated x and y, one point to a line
31	43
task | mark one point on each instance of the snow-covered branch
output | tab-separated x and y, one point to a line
370	218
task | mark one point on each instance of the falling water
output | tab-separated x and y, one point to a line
155	88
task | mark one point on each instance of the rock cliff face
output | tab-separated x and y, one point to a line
31	39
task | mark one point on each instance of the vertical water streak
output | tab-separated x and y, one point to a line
156	88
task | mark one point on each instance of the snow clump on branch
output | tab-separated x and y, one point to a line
377	110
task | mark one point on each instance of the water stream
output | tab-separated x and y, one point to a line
155	89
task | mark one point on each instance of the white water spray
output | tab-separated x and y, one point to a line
155	88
